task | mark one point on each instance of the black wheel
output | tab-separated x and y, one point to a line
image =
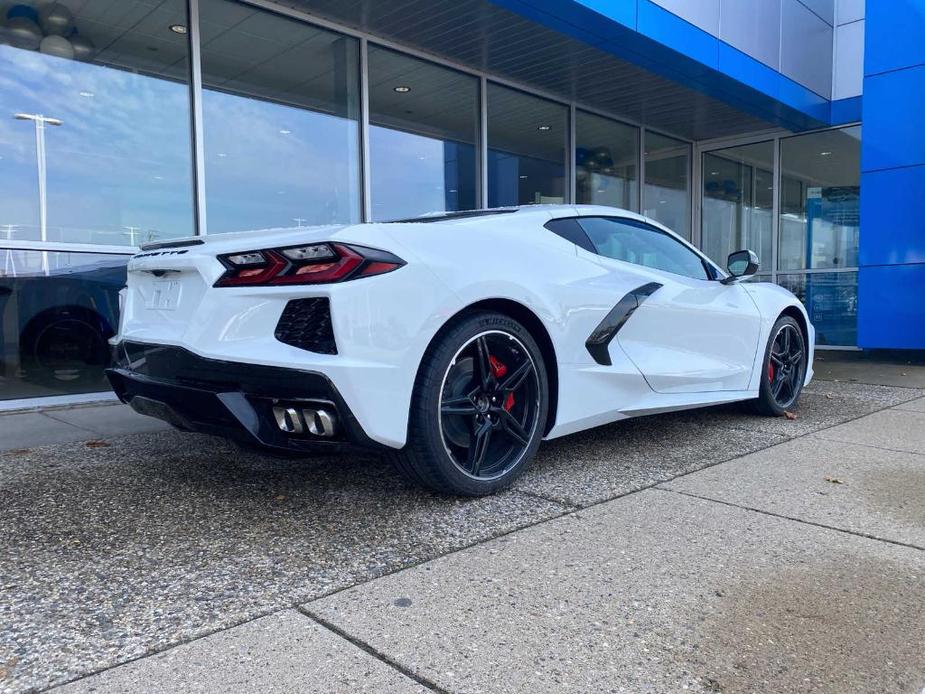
784	368
478	408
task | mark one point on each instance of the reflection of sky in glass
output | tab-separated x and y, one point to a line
414	174
271	165
121	159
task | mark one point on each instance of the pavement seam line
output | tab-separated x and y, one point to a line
298	605
782	516
870	445
370	650
565	503
70	424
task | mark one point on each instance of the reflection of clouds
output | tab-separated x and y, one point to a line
408	173
266	177
102	161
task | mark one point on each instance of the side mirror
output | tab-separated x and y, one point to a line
741	265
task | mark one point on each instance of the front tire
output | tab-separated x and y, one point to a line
478	408
783	370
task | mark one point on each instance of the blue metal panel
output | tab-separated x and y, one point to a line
672	31
846	110
824	9
893	106
893	215
891	313
895	31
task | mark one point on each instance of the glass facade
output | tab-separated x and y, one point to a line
280	104
423	137
99	153
57	311
667	193
527	142
816	233
737	203
94	131
606	162
820	200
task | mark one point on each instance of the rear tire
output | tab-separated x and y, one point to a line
478	408
783	369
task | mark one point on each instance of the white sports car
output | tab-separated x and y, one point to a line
455	341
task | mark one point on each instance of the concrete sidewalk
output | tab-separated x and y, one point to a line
704	551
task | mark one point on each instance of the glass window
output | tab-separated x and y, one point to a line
641	244
606	157
95	125
57	311
423	136
280	111
820	196
526	148
738	198
831	299
667	197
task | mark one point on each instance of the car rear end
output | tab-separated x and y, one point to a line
292	339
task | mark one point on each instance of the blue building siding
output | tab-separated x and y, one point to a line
891	313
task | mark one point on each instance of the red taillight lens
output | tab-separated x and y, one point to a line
319	263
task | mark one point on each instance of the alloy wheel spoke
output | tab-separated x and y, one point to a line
777	358
516	377
776	387
796	357
513	428
479	446
482	363
462	405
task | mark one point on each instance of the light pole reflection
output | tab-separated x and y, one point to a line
40	122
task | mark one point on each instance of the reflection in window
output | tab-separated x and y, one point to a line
280	112
57	311
606	156
423	132
641	244
526	148
109	99
831	299
667	196
738	197
820	200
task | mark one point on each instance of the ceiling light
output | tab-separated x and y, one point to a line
87	94
544	128
714	173
402	89
824	154
285	132
523	177
222	155
178	28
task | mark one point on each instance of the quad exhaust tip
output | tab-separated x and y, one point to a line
317	421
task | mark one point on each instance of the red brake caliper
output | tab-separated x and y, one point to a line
499	369
770	371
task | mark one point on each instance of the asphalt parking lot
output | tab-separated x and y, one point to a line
703	551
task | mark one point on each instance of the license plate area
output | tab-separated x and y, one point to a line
164	296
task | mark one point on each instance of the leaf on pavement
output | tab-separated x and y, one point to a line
833	480
98	443
790	415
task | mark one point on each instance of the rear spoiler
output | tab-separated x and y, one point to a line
172	244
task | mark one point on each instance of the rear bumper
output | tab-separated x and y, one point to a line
229	399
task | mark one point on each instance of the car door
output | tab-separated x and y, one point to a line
687	331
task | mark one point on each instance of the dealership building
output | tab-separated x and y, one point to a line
790	127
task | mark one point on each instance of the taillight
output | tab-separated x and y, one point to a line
317	263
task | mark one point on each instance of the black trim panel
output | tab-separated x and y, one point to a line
171	244
224	398
599	340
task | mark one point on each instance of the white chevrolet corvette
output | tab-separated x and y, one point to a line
456	342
